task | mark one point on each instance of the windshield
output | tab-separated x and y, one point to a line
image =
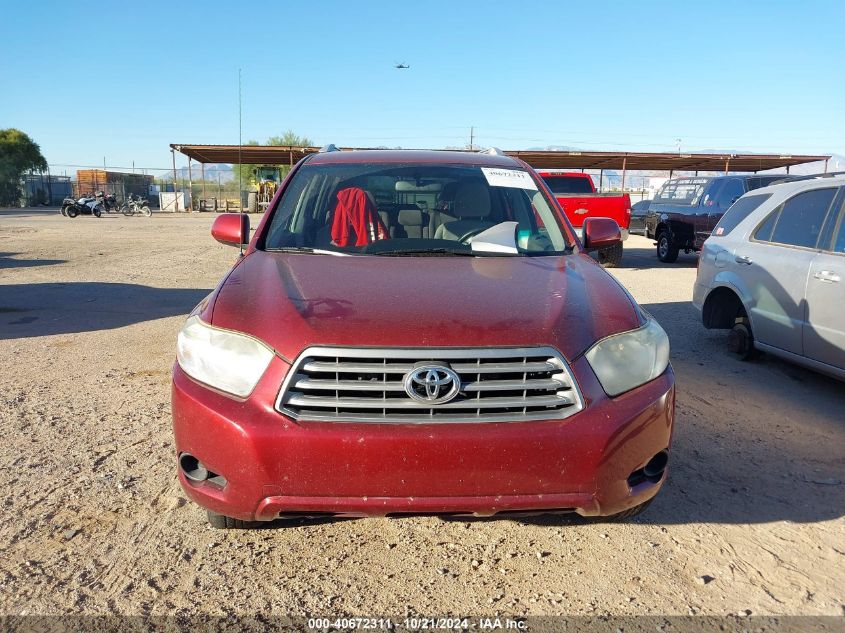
419	209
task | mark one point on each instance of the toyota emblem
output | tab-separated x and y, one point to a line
432	384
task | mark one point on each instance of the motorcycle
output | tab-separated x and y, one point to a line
136	204
109	202
86	205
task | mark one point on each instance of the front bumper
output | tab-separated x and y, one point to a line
274	465
699	295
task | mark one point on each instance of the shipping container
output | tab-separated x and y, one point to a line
121	184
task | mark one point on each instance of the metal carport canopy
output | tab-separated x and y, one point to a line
540	159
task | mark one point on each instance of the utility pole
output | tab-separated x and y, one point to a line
240	144
471	138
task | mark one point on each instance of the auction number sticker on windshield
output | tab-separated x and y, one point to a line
508	178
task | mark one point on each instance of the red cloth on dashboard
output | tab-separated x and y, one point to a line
356	211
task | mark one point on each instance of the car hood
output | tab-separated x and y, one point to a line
295	300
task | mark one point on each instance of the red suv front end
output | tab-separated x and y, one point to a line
418	332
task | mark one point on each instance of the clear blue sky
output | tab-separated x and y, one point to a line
125	79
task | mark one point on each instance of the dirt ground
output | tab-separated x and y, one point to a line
750	521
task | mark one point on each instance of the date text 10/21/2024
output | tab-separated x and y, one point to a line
417	624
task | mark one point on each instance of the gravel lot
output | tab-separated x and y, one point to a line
751	519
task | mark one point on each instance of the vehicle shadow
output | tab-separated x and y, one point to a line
44	309
7	260
640	254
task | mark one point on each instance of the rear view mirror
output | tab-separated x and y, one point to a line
231	229
601	233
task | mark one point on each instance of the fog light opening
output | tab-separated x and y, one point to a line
192	468
652	472
656	465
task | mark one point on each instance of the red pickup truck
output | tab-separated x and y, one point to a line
577	195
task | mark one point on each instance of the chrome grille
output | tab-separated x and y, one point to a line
368	385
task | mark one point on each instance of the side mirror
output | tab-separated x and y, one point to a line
601	233
231	229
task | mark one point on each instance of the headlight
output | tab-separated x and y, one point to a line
225	360
630	359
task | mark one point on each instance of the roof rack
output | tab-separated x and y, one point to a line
331	147
829	174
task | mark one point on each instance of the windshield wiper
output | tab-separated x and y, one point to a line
434	252
308	249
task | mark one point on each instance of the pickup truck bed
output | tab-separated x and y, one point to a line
577	196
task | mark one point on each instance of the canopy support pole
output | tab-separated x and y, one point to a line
624	167
173	153
190	187
202	174
601	179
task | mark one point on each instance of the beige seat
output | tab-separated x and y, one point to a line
472	209
442	210
413	222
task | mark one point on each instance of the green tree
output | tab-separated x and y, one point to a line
18	154
288	139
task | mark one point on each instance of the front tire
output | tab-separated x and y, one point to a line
630	513
72	212
667	251
611	257
222	522
145	211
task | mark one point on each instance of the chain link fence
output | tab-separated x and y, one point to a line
217	192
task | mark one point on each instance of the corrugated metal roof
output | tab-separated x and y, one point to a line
541	159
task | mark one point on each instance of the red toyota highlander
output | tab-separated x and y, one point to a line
419	332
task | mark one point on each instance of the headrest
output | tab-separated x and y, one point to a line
472	200
411	217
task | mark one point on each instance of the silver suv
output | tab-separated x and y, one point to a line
773	272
